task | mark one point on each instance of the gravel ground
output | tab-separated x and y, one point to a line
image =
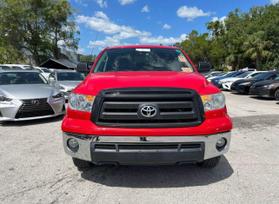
35	168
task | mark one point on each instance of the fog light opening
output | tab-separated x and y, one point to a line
221	144
73	144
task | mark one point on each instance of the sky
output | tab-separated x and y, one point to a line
104	23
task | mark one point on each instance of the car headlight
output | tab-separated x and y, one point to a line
269	86
59	95
5	100
81	102
213	102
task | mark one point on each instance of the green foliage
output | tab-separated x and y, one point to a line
36	28
87	58
243	39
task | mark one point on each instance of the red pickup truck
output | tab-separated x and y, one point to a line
146	105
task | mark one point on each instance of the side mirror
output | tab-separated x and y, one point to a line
83	68
204	67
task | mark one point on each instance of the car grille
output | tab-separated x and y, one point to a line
34	108
143	146
121	107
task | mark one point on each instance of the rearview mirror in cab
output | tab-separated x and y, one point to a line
204	67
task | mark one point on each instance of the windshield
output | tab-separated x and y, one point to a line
142	59
245	74
8	78
231	74
70	76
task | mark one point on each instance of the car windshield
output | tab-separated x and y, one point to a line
10	78
70	76
231	74
142	59
243	75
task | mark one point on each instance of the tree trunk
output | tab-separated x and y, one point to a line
259	62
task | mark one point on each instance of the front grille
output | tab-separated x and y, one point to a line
34	108
179	147
121	107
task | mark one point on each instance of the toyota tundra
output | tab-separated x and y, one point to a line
146	105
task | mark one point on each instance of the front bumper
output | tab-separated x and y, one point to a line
242	89
9	111
150	150
260	91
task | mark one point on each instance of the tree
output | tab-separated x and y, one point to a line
86	58
37	27
257	48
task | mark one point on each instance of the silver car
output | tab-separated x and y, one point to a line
65	80
26	95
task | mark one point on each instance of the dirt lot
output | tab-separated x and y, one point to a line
34	168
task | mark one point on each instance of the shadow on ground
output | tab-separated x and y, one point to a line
32	122
262	98
159	176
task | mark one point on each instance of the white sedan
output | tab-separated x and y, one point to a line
227	82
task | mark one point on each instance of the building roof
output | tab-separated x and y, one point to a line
59	64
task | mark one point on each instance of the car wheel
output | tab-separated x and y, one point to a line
210	163
81	164
276	94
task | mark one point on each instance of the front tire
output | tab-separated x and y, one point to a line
81	164
210	163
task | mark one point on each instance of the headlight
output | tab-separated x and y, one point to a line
59	95
81	102
269	86
5	100
213	102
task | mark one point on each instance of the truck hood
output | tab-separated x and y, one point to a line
96	82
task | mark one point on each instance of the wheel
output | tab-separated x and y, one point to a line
276	94
210	163
81	164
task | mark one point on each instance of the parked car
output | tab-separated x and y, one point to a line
243	86
213	74
3	67
216	81
8	67
215	77
26	95
65	80
19	66
146	105
266	89
227	82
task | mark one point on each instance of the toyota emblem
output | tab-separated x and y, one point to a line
148	111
